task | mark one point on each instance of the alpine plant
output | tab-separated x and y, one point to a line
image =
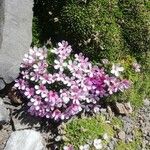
73	84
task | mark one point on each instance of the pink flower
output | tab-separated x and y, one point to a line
28	60
59	65
29	92
40	67
56	114
78	83
70	147
74	109
36	100
41	53
46	78
51	98
20	84
63	50
41	89
35	76
124	84
64	96
25	74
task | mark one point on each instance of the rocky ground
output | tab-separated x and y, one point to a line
19	131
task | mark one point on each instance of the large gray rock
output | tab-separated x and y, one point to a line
25	140
15	36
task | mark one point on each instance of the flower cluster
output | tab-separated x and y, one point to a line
75	84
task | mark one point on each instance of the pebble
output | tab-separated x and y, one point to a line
146	102
121	135
4	113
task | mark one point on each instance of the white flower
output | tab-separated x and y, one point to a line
84	147
70	147
105	136
65	147
137	67
116	69
98	144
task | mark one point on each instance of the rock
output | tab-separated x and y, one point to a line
4	135
112	144
129	138
146	102
4	113
26	140
121	135
2	84
110	112
124	108
15	36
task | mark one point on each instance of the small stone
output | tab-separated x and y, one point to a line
124	108
121	135
4	113
129	138
2	84
109	110
103	110
146	102
58	138
26	140
105	137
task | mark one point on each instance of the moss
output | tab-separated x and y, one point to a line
99	28
92	28
134	22
117	122
35	32
79	131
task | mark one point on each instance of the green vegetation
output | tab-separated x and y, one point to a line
118	30
133	145
99	28
81	130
